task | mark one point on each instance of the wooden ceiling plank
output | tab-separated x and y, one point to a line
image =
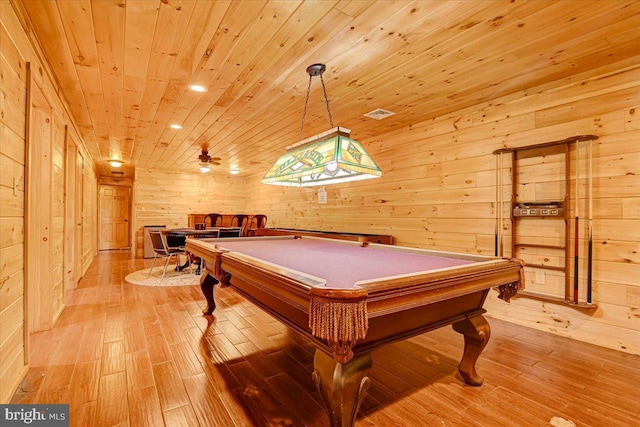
419	59
173	17
187	101
353	8
109	18
470	69
464	79
210	73
269	22
140	23
301	87
296	118
364	36
292	33
425	66
391	41
47	24
274	43
205	17
78	26
567	62
433	30
589	17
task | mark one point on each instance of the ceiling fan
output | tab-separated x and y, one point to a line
206	160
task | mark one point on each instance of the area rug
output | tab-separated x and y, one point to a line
171	278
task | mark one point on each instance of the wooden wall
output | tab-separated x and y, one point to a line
89	215
166	198
57	217
438	191
43	152
13	102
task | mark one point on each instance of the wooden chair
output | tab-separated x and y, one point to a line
162	250
240	221
215	220
258	221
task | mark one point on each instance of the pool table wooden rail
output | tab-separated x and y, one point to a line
359	237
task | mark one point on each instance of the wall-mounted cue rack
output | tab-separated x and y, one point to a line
540	207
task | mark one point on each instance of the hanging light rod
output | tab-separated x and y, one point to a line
330	157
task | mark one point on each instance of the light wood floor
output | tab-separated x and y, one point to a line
133	355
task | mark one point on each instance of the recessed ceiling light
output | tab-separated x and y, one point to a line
198	88
234	171
175	126
116	163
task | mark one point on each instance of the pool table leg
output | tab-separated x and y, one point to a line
476	333
341	385
206	286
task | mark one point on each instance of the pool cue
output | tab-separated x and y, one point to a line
495	241
577	229
590	250
500	214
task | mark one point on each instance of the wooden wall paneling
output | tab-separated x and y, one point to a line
632	119
13	95
581	109
12	359
18	46
620	79
70	222
164	198
79	215
58	216
39	209
89	216
14	115
13	77
630	207
12	286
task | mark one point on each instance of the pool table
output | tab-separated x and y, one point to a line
351	297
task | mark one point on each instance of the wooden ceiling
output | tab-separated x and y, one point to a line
125	66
